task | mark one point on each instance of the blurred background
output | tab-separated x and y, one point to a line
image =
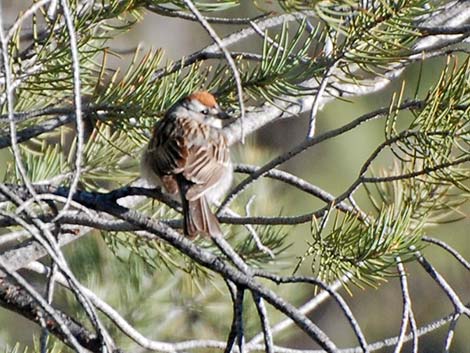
148	299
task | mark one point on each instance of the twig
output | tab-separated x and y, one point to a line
365	166
36	130
236	330
49	297
77	102
161	10
228	57
414	334
114	316
52	10
302	185
52	110
70	338
231	39
439	30
12	236
460	308
449	249
406	312
316	101
231	254
410	175
253	233
32	250
311	305
339	300
392	341
450	333
24	15
10	106
263	316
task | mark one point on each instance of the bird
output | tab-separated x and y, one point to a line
189	156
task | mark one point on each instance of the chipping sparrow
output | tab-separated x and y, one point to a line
188	154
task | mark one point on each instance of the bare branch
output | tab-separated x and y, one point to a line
263	316
162	10
228	57
77	102
13	298
407	311
459	307
9	87
449	249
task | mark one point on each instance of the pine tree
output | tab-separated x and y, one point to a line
73	126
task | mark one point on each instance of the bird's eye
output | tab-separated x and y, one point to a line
205	111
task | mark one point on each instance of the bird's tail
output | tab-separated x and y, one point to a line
199	219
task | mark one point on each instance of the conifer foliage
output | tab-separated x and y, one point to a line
73	124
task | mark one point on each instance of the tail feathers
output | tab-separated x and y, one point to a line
199	219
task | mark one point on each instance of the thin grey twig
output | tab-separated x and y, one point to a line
232	255
406	312
392	341
316	102
423	171
311	305
451	332
236	330
36	130
239	319
10	106
12	236
43	303
253	233
49	297
339	300
414	334
52	10
263	316
302	185
77	102
233	38
387	143
439	30
228	57
460	308
162	10
449	249
112	314
24	15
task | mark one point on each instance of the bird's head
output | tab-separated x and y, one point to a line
200	106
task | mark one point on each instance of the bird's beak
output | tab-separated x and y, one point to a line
223	115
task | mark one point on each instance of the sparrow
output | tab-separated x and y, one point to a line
188	155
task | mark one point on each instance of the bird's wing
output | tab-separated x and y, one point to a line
207	159
168	148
